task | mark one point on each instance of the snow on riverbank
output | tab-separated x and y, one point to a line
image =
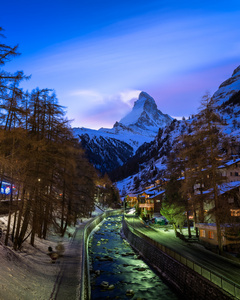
29	274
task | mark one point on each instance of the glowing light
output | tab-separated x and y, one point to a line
7	190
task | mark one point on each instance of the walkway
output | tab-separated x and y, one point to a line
195	252
67	284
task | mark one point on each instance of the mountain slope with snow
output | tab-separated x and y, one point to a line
110	148
145	116
150	159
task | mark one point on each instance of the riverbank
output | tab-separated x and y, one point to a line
29	273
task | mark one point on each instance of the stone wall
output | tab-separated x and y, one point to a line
188	283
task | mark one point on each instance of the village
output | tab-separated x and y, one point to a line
148	205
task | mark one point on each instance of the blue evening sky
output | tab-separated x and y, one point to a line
98	55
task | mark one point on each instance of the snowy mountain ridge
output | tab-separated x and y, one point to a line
153	156
139	126
228	87
110	148
146	116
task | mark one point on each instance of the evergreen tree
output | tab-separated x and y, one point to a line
203	152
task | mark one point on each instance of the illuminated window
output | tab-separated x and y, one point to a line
210	235
235	212
202	233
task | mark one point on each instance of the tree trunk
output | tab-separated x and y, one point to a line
25	223
175	229
188	225
8	225
20	212
9	218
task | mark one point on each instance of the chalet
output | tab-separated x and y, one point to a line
150	200
131	200
157	199
231	170
145	204
229	197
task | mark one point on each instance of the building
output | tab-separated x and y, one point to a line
157	199
229	213
131	200
231	170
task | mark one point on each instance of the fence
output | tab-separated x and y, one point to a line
222	282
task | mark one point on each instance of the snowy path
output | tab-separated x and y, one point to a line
68	279
29	274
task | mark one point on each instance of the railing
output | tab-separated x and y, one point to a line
219	280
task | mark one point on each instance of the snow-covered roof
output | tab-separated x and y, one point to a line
228	186
223	188
229	163
131	195
158	194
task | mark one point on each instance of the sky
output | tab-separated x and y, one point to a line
99	55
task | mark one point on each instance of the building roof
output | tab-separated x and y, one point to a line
229	163
131	195
158	194
223	188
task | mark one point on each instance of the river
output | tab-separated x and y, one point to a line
117	272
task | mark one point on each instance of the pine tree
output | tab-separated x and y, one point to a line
203	152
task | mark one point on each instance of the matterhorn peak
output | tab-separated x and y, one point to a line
145	115
145	96
146	101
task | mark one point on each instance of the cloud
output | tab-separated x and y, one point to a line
129	96
105	110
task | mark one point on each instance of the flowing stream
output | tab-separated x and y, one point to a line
117	272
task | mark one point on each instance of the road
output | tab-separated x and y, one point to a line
193	251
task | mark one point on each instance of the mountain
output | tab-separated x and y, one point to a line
110	148
145	116
149	161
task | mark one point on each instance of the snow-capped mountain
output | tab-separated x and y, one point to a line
108	149
229	87
145	116
150	159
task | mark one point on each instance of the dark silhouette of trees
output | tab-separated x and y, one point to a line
202	152
53	182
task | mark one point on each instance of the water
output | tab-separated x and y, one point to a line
113	260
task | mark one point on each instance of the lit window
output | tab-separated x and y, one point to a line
202	233
235	212
210	235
